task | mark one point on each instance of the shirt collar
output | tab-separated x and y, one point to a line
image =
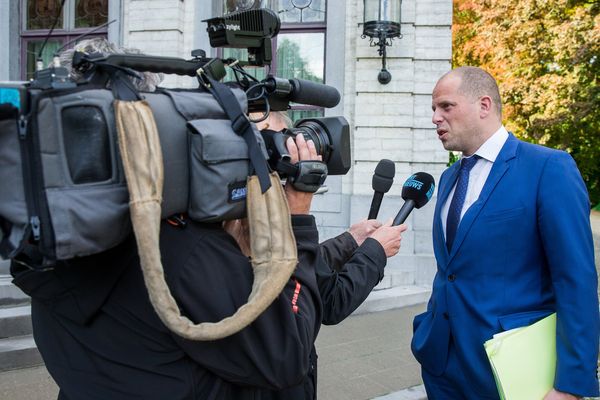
491	148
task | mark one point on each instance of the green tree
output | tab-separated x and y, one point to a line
545	55
291	64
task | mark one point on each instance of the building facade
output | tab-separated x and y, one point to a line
320	39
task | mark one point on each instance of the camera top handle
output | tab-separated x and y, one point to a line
168	65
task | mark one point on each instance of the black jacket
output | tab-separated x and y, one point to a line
347	274
101	339
357	271
338	250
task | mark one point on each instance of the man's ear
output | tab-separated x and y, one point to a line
485	106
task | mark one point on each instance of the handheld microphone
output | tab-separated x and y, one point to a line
416	192
382	182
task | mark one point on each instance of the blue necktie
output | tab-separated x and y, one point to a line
458	200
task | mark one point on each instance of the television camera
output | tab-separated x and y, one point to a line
62	187
252	30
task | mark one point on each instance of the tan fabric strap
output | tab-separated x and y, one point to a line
274	253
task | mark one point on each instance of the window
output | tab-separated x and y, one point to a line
299	48
77	17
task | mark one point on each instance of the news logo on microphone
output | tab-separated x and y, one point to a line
416	192
415	183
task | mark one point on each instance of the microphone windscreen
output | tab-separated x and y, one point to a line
418	188
314	93
384	176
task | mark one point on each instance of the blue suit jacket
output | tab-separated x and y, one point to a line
523	250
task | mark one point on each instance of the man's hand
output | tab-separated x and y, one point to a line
389	237
556	395
240	230
363	229
300	150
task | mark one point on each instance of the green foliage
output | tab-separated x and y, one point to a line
291	64
452	158
545	55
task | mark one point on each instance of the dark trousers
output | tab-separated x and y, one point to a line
452	384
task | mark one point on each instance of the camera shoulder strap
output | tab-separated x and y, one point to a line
241	126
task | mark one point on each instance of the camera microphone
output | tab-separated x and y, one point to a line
382	182
302	91
314	93
416	192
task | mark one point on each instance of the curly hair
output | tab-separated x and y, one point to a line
148	81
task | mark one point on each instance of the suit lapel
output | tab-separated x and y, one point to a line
501	165
447	182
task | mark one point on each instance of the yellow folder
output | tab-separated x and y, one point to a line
524	360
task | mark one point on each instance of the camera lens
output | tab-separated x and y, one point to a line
331	136
315	132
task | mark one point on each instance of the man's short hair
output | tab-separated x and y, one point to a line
476	82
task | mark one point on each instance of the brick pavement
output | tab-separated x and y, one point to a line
364	357
367	355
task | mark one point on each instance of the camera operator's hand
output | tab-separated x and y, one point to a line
363	229
240	230
389	237
300	150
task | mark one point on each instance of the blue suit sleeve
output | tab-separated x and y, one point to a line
564	224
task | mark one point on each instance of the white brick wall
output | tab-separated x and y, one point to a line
433	12
394	121
433	42
161	27
426	74
402	70
384	109
4	40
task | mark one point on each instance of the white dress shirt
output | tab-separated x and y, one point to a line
479	174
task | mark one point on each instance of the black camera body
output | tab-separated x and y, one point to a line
331	136
253	29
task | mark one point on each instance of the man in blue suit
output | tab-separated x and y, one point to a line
513	243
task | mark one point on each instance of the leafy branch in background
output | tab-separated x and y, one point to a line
452	157
546	57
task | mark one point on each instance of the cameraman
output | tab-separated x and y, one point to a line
354	261
350	265
101	339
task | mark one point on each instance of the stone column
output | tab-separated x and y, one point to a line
393	121
162	28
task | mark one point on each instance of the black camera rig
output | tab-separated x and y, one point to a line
61	182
